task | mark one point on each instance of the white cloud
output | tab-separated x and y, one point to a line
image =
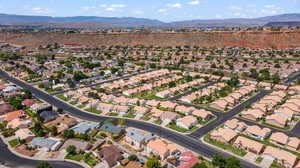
235	8
110	9
269	6
118	5
162	10
175	5
196	2
218	16
40	10
88	7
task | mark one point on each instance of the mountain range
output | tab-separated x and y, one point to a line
131	22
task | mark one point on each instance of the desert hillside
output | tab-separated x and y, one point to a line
203	39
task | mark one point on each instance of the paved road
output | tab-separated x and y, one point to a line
11	160
228	115
292	78
188	142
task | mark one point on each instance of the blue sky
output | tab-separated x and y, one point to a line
165	10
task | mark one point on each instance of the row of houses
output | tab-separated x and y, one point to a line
203	92
150	86
182	87
135	79
275	114
229	134
232	99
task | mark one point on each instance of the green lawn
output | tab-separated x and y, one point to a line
93	110
113	114
81	106
158	122
91	161
146	117
62	97
129	115
225	146
175	127
14	142
276	127
29	112
258	159
73	102
77	157
204	122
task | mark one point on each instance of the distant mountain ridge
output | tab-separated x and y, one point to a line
7	19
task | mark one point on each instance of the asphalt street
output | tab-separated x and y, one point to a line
187	141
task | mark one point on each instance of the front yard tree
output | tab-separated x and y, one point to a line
68	134
133	158
153	162
71	150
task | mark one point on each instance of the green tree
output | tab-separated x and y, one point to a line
68	134
122	122
153	162
53	130
44	164
133	158
200	165
71	150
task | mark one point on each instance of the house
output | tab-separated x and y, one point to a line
235	125
84	127
156	113
110	154
46	144
141	111
104	107
277	120
62	123
168	105
93	103
252	114
185	110
152	103
48	115
160	148
187	122
202	114
249	145
168	116
19	123
293	143
220	104
14	115
285	158
257	132
163	94
279	138
23	133
187	160
28	102
40	107
133	164
225	135
111	128
137	138
120	109
80	145
5	108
